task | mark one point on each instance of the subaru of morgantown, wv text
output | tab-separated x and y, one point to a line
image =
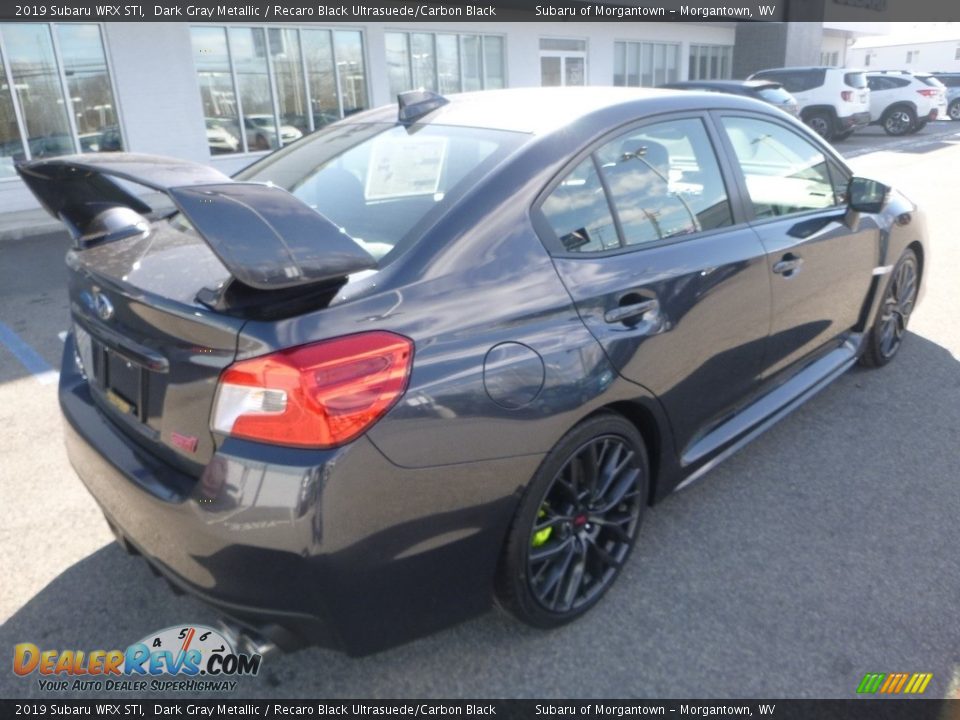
446	353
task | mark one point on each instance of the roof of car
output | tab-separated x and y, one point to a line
542	110
752	84
810	67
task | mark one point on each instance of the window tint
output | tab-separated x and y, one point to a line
784	172
794	80
578	212
855	80
664	181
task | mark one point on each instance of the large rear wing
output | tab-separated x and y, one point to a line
267	238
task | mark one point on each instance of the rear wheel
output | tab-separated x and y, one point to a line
954	110
576	524
900	296
899	121
821	123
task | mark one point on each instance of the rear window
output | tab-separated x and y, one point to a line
930	80
384	184
794	80
775	95
855	80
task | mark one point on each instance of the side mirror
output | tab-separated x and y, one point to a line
865	195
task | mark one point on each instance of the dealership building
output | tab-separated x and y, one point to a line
227	93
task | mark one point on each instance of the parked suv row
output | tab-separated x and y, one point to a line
904	102
833	101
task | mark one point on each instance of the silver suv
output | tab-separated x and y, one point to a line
833	101
951	80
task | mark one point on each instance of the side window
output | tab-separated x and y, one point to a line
784	172
578	211
664	181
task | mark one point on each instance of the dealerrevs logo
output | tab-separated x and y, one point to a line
199	656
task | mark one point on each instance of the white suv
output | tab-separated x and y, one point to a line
833	101
902	102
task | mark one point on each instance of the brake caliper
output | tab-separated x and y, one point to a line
541	537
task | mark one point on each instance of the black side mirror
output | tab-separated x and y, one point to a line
865	195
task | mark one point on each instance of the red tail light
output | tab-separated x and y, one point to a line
846	95
929	92
319	395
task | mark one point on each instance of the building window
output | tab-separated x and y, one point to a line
264	87
956	53
56	97
866	59
913	56
710	62
830	59
645	64
444	62
563	62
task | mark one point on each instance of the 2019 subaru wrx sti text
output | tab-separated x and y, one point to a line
428	358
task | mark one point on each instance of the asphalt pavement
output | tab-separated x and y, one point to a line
826	549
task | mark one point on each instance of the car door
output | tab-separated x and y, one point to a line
645	238
880	94
820	268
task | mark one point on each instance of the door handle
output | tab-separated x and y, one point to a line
788	265
628	312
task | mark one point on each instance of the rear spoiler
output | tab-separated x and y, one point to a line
267	238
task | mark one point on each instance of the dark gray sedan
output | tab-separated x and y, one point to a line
450	351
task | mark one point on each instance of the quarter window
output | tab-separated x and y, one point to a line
784	172
578	212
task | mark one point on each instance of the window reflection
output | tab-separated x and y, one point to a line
248	51
11	146
352	71
444	62
216	89
36	81
291	90
88	82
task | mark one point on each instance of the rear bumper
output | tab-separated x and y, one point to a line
337	548
852	122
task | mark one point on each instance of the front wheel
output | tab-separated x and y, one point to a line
954	110
899	298
576	524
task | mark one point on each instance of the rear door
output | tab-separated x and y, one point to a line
820	269
647	242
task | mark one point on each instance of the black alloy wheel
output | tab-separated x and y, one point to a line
954	110
898	301
577	523
821	124
899	121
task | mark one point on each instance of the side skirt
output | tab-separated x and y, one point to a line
768	410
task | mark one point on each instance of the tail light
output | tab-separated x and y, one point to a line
320	395
846	95
929	92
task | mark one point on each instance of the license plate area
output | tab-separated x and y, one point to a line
123	382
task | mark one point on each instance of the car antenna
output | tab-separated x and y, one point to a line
414	104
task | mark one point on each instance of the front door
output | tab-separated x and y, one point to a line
820	269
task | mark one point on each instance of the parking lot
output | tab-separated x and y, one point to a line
826	549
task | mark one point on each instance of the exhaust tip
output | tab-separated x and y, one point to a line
246	640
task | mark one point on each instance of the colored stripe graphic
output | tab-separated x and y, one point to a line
894	683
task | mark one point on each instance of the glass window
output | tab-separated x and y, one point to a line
494	73
88	82
710	62
423	61
248	51
352	70
36	81
645	64
664	181
472	62
448	64
291	89
322	82
398	62
784	172
578	212
212	61
382	183
563	44
11	146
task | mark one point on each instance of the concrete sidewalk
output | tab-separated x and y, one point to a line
27	223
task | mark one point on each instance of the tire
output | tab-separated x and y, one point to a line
574	530
899	299
821	123
899	120
842	136
954	110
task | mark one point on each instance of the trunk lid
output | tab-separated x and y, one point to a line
158	304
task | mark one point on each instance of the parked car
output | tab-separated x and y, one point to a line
951	82
222	135
903	102
261	132
769	91
833	101
442	353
